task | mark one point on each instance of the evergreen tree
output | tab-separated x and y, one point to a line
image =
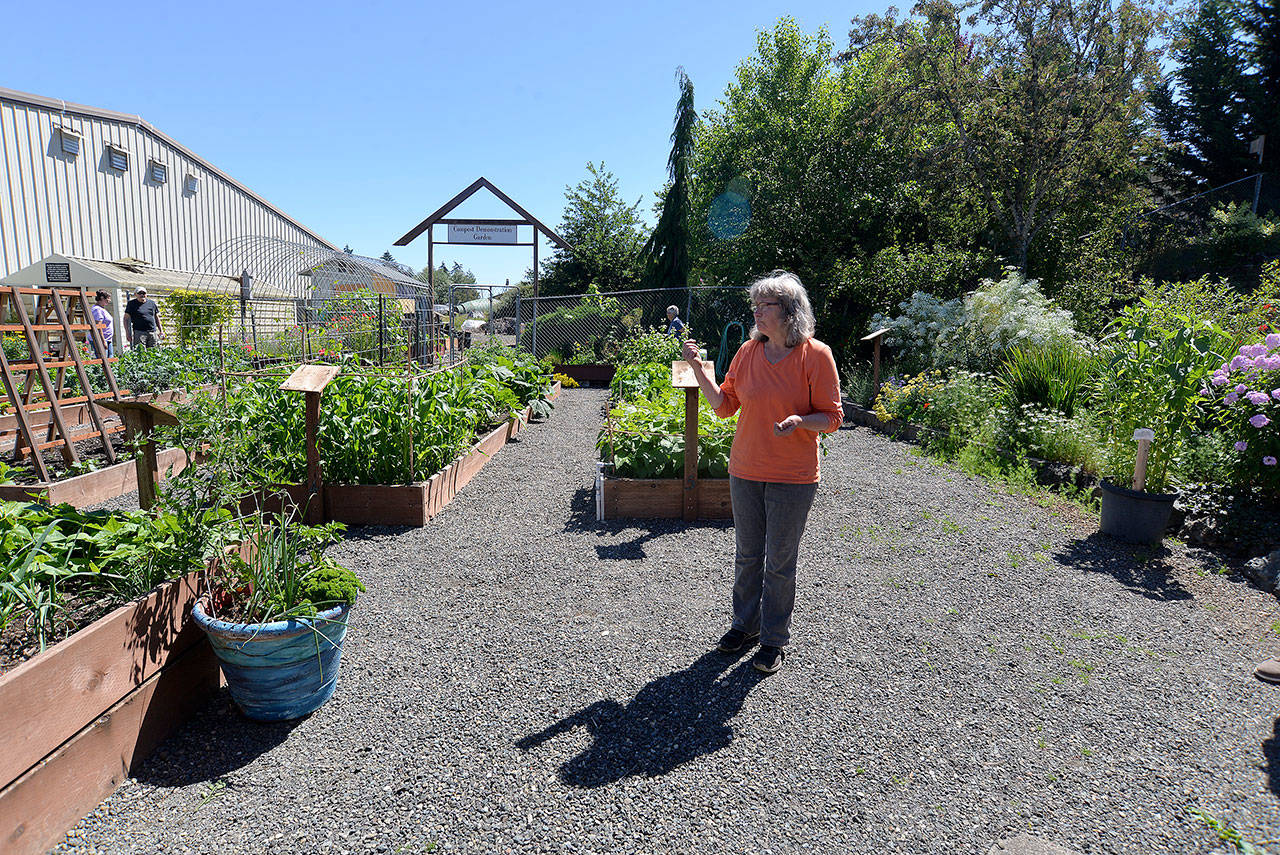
347	249
388	257
1262	24
1204	115
666	253
607	234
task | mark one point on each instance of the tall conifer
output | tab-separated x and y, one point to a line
666	253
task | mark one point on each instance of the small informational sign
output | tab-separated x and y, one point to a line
481	233
57	271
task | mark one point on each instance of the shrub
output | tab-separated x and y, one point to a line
649	345
978	331
196	314
1048	377
1237	234
1247	391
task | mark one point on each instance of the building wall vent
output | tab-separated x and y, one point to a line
157	171
117	158
191	184
68	141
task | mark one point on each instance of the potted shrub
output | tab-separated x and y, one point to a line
1150	389
276	616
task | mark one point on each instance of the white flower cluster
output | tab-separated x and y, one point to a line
914	334
979	329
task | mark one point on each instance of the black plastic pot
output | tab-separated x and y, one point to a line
1134	516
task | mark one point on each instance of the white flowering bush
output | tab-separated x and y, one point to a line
914	334
978	331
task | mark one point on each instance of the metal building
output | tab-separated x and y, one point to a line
96	184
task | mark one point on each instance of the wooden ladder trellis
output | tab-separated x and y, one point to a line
53	322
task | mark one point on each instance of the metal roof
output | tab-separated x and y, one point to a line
67	107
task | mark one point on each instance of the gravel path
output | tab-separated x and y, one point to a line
968	664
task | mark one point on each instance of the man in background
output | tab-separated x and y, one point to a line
144	320
675	326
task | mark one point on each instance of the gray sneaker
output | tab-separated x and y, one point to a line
735	640
768	659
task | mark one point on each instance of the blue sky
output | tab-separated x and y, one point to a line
359	120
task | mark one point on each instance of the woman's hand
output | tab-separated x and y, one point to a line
787	426
689	350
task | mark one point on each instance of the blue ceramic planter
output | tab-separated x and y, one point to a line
281	670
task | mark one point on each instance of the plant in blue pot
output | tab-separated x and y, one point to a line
276	615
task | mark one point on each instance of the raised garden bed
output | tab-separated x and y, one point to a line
94	487
663	498
409	504
77	718
588	374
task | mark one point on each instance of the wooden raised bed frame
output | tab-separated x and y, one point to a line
109	482
664	498
77	718
409	504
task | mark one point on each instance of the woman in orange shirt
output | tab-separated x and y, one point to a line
784	382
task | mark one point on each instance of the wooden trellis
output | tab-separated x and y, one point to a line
62	318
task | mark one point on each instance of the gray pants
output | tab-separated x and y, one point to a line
145	339
768	519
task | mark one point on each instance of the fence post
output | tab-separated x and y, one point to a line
382	326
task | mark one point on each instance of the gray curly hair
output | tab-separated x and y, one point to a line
797	313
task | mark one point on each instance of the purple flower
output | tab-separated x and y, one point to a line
1219	380
1259	421
1230	398
1275	393
1236	362
1258	398
1241	445
1258	350
1241	388
1268	461
1273	340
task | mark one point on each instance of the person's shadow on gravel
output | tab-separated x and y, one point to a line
1141	569
1271	750
671	721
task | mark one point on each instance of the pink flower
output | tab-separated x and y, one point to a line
1241	445
1259	421
1258	398
1268	461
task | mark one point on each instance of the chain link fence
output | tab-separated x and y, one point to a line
584	328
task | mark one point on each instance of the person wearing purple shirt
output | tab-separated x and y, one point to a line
102	318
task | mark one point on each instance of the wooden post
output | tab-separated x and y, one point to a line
141	418
315	483
682	378
874	338
311	380
1144	436
690	454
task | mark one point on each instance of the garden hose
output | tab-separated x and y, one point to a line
722	359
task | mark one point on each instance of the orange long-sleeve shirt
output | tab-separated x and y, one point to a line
802	382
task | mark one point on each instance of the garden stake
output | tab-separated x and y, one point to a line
1144	437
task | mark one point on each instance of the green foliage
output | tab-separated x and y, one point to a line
644	438
1238	234
593	323
1038	108
606	234
285	574
197	314
50	556
646	380
374	428
648	345
1050	377
1202	106
1153	367
457	276
15	347
665	254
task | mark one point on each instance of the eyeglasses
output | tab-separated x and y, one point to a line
760	307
